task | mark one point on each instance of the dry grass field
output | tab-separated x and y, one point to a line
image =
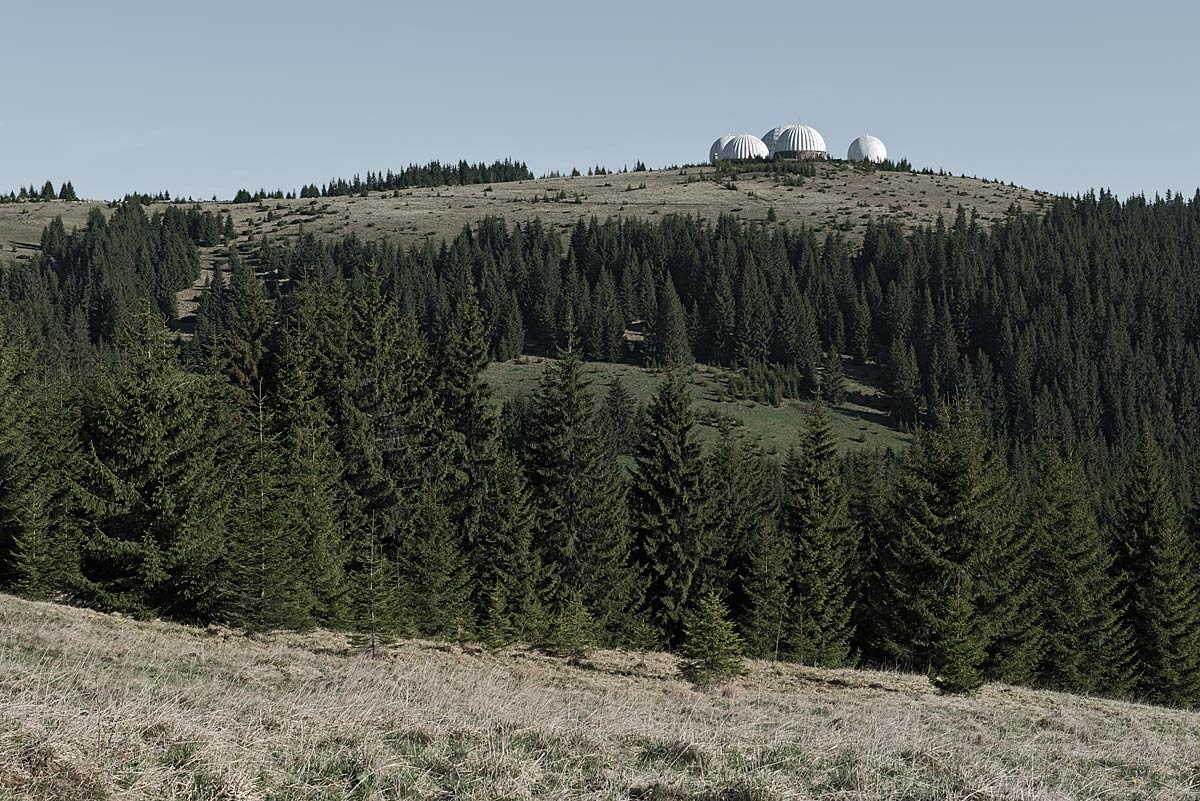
99	707
840	196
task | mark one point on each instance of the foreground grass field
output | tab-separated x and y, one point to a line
860	422
99	707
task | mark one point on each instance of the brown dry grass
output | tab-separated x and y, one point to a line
93	706
838	196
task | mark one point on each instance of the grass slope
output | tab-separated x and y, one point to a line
860	422
840	196
99	707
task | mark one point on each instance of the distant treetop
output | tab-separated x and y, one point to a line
434	173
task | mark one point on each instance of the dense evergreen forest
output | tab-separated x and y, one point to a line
324	451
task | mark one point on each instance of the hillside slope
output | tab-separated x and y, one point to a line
99	707
839	196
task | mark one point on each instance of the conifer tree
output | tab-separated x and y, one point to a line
952	513
311	481
469	417
579	496
506	573
749	559
833	378
671	536
711	650
155	492
672	347
573	632
243	343
822	542
1159	571
21	514
956	651
905	383
266	560
620	418
1087	647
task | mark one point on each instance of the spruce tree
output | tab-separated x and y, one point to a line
833	378
156	493
905	383
312	469
1159	571
822	542
956	651
667	503
672	347
1087	646
711	650
21	514
621	419
579	497
506	573
748	562
953	519
242	346
266	556
573	632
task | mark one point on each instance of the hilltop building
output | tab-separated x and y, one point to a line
714	152
867	148
744	146
800	142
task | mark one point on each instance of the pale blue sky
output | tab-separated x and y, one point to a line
209	96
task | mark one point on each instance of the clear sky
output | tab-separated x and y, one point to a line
206	97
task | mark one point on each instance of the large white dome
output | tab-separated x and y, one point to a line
770	136
800	141
744	146
714	152
867	148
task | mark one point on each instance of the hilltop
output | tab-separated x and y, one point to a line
94	706
841	196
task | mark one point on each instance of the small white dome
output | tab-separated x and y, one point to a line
770	136
800	140
867	148
745	146
714	152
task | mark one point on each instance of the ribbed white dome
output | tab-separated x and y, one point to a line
800	139
745	146
714	152
867	148
770	136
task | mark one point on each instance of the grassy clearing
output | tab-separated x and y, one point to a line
858	423
97	707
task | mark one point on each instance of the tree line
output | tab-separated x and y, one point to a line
66	191
413	176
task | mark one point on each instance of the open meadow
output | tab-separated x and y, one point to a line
96	707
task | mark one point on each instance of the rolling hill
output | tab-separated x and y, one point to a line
839	196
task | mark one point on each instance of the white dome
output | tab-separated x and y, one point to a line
770	136
744	146
800	140
867	148
714	152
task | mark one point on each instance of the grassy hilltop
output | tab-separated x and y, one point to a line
100	707
840	196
